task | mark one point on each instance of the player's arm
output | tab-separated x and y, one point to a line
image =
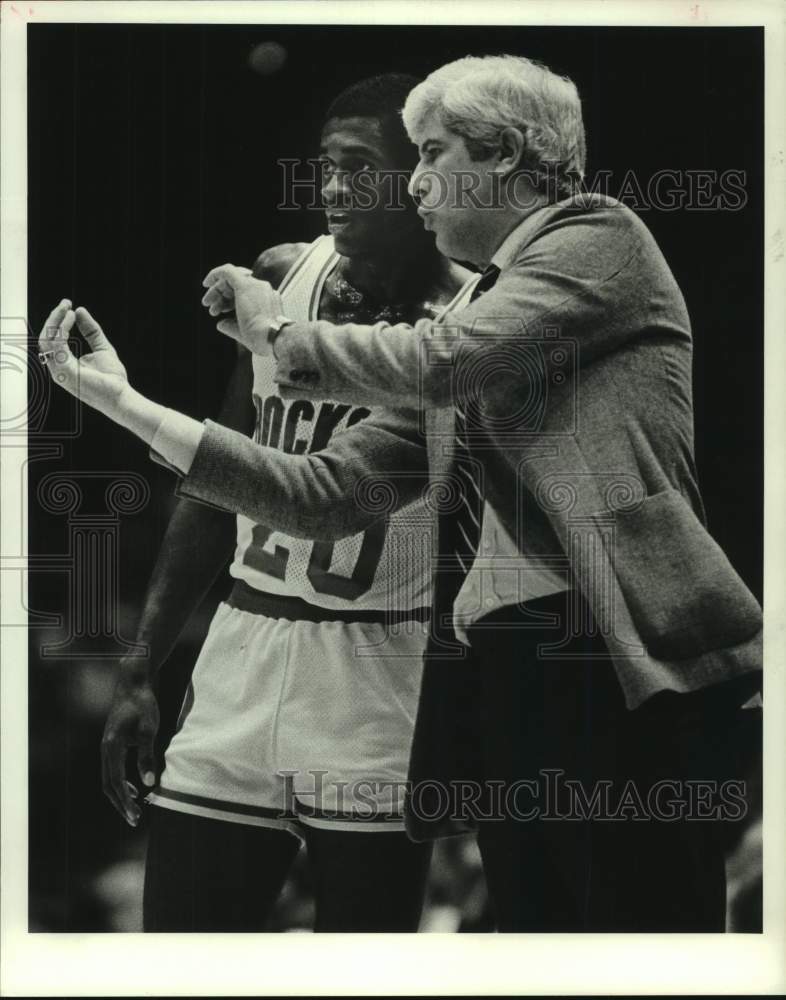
197	545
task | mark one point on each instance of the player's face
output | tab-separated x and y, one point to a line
454	193
364	189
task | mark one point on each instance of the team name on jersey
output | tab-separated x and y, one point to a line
300	426
387	566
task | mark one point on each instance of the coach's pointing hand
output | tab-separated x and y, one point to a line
257	306
99	378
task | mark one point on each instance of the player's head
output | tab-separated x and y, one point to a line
367	159
504	125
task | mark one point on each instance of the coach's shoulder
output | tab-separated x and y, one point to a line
612	229
600	208
273	264
586	226
596	216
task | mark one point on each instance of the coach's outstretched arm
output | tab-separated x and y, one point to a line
308	496
198	543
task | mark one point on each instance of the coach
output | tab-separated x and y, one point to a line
561	394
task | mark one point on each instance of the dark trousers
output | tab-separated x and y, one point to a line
606	819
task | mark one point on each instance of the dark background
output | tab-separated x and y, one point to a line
152	157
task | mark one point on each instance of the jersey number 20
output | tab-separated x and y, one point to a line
349	588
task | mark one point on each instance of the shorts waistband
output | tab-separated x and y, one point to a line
257	602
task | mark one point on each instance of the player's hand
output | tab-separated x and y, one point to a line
99	378
132	722
255	303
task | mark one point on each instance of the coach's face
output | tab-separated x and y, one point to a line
457	197
364	189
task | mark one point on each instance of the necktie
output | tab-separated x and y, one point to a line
459	531
487	280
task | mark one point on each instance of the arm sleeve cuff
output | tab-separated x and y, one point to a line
176	441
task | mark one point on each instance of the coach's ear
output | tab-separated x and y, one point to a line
511	150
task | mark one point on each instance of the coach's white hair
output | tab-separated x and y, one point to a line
479	96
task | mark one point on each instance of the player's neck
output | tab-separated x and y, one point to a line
402	277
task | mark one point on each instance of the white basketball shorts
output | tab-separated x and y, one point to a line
290	722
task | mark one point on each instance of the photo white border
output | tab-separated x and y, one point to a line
76	964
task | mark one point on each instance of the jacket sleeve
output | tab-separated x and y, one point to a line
364	473
576	277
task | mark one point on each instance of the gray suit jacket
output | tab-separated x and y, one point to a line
575	369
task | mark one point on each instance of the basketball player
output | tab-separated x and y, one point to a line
297	723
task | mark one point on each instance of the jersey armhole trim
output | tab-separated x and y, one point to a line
298	264
319	284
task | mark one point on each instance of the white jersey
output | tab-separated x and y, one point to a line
385	567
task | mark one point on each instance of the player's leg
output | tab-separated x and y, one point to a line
367	881
210	875
344	733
